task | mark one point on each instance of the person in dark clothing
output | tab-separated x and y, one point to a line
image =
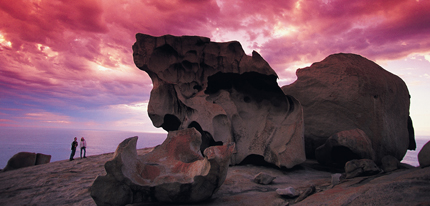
74	145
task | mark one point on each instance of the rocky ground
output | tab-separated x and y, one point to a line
68	182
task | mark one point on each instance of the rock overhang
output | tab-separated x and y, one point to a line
224	93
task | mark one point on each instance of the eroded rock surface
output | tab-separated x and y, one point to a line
223	93
347	91
174	171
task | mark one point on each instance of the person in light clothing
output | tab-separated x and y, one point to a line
83	147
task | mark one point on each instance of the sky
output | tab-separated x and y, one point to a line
68	64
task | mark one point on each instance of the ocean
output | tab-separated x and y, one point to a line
57	142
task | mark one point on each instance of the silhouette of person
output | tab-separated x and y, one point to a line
83	147
74	145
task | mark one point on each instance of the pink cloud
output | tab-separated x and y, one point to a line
77	54
46	21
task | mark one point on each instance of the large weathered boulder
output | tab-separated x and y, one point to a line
174	171
348	91
223	93
343	147
26	159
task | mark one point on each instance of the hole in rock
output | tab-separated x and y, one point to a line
253	85
226	81
170	123
256	160
207	139
340	155
198	87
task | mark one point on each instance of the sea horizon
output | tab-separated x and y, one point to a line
57	142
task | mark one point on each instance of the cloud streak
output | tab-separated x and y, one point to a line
65	58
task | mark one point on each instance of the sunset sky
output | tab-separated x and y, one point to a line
68	64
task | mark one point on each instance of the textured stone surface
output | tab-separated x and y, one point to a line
347	91
42	158
263	178
424	155
343	147
389	163
175	172
68	182
336	178
306	193
288	191
223	93
26	159
361	167
401	187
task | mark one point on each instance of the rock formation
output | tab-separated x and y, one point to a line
26	159
223	93
424	155
263	178
344	146
174	171
360	167
66	183
345	92
289	192
389	163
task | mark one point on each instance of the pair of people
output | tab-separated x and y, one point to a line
83	147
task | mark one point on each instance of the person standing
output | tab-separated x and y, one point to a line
74	145
83	147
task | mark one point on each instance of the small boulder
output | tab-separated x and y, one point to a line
20	160
335	178
289	192
263	178
42	159
389	163
361	167
26	159
424	155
